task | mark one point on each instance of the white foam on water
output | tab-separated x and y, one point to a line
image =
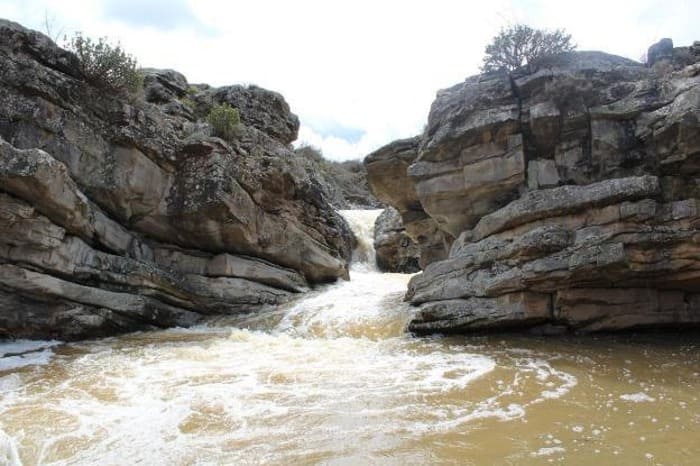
256	390
20	353
9	383
370	305
8	451
549	451
336	373
640	397
558	383
23	346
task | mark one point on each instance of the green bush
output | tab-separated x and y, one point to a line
223	120
106	65
189	102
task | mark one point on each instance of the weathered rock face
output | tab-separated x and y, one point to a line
573	191
388	180
675	58
163	86
258	108
344	183
120	215
396	252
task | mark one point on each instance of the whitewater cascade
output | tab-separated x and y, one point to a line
331	378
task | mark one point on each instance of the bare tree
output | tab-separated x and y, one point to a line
50	29
519	45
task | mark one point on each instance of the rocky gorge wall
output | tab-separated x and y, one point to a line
120	214
560	197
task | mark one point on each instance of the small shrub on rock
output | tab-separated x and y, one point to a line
519	45
106	65
223	120
189	102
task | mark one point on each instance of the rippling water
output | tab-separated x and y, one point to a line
334	379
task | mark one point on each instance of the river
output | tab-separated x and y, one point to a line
333	378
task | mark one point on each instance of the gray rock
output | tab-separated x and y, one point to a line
509	311
124	215
395	250
661	50
575	180
542	174
471	156
259	108
554	202
163	86
590	310
387	175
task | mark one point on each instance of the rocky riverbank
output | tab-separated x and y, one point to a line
121	214
561	197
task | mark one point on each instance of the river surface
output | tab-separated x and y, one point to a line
333	378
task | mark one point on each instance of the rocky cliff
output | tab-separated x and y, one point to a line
344	182
568	193
123	214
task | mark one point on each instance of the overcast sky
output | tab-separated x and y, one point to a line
360	73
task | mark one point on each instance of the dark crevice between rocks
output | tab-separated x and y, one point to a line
587	145
504	328
49	317
529	149
85	278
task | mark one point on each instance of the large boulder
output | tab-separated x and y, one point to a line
259	108
120	214
572	190
395	251
387	175
662	50
163	86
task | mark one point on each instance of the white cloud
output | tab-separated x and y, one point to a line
8	10
368	65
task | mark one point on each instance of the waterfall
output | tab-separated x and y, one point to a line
362	225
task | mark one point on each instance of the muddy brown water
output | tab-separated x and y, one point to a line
334	379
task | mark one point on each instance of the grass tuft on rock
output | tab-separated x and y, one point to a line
223	120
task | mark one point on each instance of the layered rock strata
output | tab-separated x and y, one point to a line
387	176
572	189
122	213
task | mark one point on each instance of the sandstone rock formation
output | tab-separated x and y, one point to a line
389	182
119	214
571	189
395	251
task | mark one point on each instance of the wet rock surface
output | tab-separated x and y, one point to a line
569	192
120	214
